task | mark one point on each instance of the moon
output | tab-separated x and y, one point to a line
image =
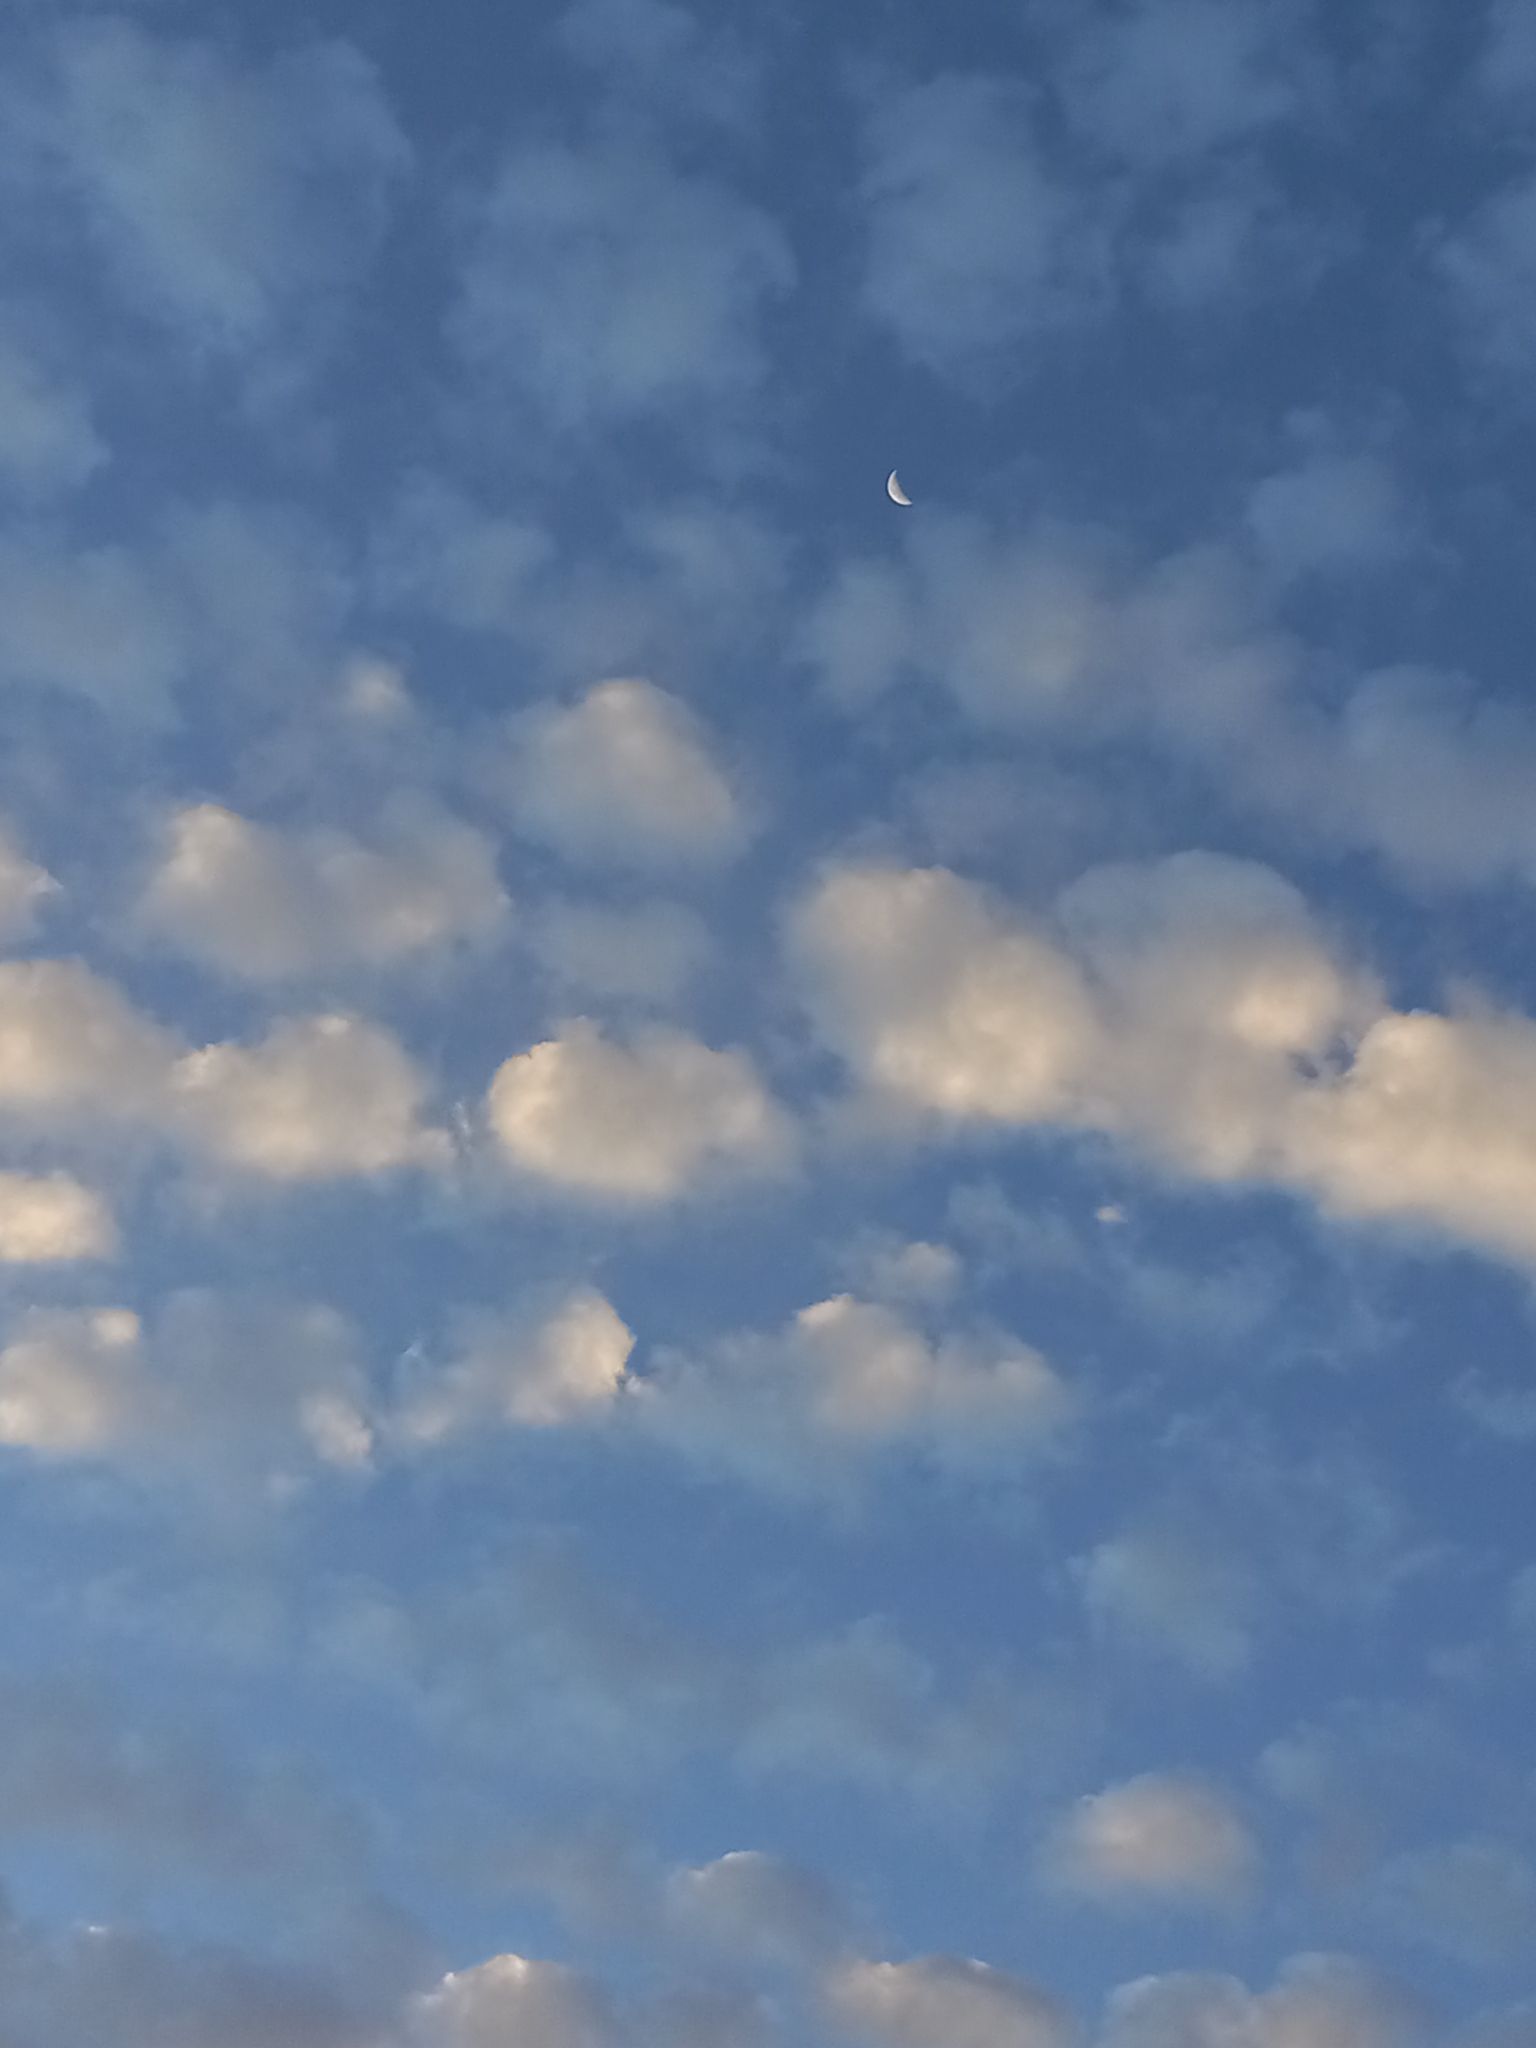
894	491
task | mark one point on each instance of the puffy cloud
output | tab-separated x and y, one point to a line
317	1099
1059	628
320	1097
509	1998
946	2002
1198	1014
633	1123
71	1045
604	285
45	1218
565	1368
757	1906
622	778
921	983
24	889
887	1268
1154	1837
846	1380
224	1383
73	1383
234	201
644	953
1434	1122
1318	2001
976	247
263	905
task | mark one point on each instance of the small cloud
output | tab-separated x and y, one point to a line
1155	1838
623	778
637	1122
49	1218
945	2002
319	1098
510	1371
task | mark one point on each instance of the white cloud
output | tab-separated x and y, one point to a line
264	905
604	285
945	2002
24	889
219	1385
71	1045
73	1383
916	978
647	952
45	1218
975	246
317	1099
622	778
1200	1015
888	1268
1155	1837
756	1906
237	203
565	1368
511	1999
635	1123
1317	2001
845	1380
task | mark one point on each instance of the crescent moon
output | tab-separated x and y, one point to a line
894	491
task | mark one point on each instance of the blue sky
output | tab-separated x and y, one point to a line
765	1262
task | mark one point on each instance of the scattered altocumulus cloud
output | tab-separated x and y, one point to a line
946	2002
236	201
622	778
46	1218
254	902
601	284
640	1121
223	1383
975	246
509	1370
1317	2001
319	1097
847	1380
1154	1837
1193	1008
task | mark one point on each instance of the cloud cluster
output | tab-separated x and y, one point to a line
622	778
1192	1008
319	1098
847	1382
237	202
640	1122
262	905
1155	1838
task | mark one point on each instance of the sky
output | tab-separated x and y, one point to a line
766	1262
